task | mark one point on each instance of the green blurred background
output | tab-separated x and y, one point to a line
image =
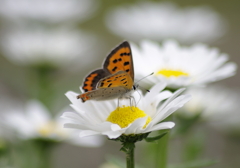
19	83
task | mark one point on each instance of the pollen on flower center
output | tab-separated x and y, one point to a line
123	116
169	73
48	129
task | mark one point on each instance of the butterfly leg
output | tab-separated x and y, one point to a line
132	102
118	102
135	104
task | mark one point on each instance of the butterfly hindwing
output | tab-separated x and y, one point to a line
92	79
119	79
120	59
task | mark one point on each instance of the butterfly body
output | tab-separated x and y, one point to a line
115	80
106	94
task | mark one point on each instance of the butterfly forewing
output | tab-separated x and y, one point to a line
120	59
92	79
119	79
115	80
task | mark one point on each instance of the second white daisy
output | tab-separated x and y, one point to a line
180	66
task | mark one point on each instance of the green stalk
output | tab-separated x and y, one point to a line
45	158
44	149
130	158
161	152
41	84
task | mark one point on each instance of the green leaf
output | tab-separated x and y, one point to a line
152	139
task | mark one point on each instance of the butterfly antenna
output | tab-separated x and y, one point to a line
144	77
143	88
139	99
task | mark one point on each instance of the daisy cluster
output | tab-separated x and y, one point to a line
174	67
35	122
53	11
217	105
163	20
39	32
58	47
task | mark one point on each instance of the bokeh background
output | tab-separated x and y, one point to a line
64	40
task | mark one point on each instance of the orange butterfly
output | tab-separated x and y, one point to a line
115	80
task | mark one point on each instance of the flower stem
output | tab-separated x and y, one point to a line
43	149
161	152
128	145
130	158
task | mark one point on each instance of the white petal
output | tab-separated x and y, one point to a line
75	126
150	108
171	107
115	127
72	96
112	134
70	115
89	141
37	113
136	125
175	94
155	90
88	133
160	126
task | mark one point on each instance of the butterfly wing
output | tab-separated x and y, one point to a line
93	78
119	79
120	59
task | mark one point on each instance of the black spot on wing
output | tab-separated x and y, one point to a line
124	44
126	63
114	69
124	54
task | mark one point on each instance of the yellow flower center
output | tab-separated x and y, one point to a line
168	73
123	116
48	129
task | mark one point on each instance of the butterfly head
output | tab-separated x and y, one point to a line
135	86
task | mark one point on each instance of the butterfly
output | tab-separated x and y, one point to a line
114	80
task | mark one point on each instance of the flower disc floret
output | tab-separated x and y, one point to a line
169	73
123	116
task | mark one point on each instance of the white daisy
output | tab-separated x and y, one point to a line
106	118
217	105
35	122
38	46
180	66
47	10
158	21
